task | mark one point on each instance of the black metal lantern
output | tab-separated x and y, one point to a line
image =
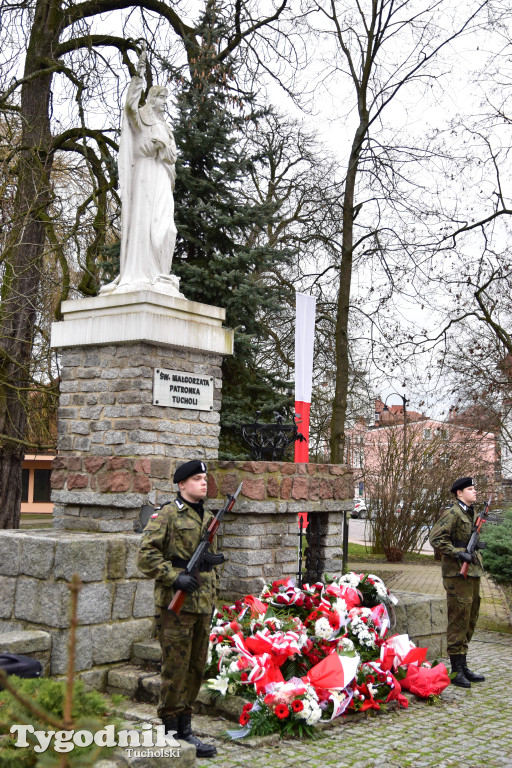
268	442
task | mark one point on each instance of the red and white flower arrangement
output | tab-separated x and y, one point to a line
304	655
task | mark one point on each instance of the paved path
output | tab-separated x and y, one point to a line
469	729
427	579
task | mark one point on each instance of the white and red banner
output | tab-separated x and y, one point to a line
305	307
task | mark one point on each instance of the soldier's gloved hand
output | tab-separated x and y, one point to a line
464	557
187	582
481	545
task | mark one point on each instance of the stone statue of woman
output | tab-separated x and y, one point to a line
147	173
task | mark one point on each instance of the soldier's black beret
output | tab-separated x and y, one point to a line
461	483
188	469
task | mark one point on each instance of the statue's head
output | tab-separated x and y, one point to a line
157	97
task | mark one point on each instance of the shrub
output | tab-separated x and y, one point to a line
89	711
497	556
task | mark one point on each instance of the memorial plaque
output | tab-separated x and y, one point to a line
181	389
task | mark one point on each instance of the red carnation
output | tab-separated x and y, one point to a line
297	705
244	718
370	679
244	677
282	711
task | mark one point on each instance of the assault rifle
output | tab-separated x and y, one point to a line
202	554
474	542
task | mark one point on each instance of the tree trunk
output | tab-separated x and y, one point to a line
339	408
23	256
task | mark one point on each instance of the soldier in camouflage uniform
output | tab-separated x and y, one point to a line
169	540
450	535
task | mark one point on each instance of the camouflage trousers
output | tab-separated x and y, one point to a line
184	642
463	600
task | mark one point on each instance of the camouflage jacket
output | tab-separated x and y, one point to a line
175	532
450	535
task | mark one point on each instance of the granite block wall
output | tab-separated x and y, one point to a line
116	449
260	536
115	605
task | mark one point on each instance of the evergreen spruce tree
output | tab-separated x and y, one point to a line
221	255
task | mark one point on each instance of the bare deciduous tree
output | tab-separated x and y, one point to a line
383	48
408	481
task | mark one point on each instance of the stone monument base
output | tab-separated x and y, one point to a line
140	390
260	537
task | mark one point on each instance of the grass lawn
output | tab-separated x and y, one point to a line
33	520
361	553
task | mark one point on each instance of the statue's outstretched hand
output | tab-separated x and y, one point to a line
141	64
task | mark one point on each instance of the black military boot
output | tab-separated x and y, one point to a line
185	733
171	728
473	677
457	662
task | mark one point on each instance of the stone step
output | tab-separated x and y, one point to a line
142	686
230	707
25	641
134	682
34	643
147	654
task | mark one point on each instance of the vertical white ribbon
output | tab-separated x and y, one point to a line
305	308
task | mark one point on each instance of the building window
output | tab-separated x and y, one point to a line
445	459
42	487
427	434
24	485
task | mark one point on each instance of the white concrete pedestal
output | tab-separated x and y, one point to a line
143	315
